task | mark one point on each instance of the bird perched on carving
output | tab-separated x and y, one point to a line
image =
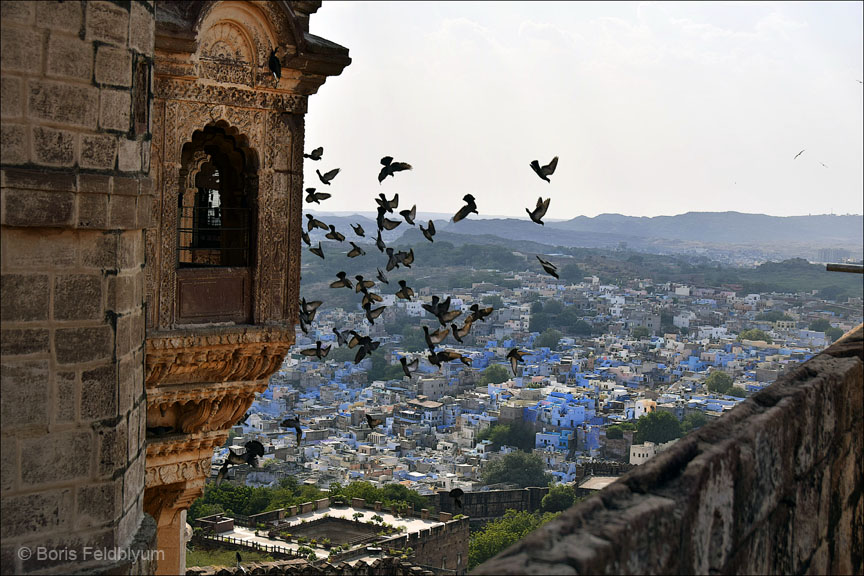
316	197
254	451
459	333
379	242
408	367
429	231
313	222
480	314
409	215
382	277
316	154
405	292
343	281
373	421
317	251
539	211
317	352
387	205
549	267
305	237
358	230
545	171
355	250
456	494
334	234
327	176
275	66
470	206
362	285
515	356
295	424
391	167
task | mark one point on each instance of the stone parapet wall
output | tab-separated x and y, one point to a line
492	503
75	196
775	486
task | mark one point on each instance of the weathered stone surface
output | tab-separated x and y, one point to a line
74	105
13	144
141	26
13	10
65	399
69	56
76	345
113	66
115	110
14	342
78	297
11	97
98	151
129	156
107	22
25	394
46	511
25	297
98	504
21	50
56	457
59	15
53	147
99	393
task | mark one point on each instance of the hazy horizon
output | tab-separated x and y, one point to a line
652	108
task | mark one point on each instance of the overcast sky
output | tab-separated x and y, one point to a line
653	108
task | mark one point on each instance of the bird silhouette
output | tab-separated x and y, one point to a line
515	356
539	211
313	222
358	229
480	314
334	234
379	242
254	451
382	277
459	333
405	292
434	338
305	237
294	423
408	367
355	250
373	421
387	205
316	154
409	215
429	231
392	260
406	258
362	285
316	197
470	206
456	494
549	267
365	346
341	339
275	66
370	298
386	223
546	170
317	352
391	167
372	314
343	282
327	176
798	154
317	251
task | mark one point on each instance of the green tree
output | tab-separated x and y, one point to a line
614	432
572	273
581	328
772	316
754	334
494	300
413	339
548	339
503	532
540	322
494	374
737	392
343	354
834	333
515	434
560	497
657	427
693	421
518	468
641	332
552	307
718	382
820	325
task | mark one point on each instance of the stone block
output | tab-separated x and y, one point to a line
99	250
33	208
145	210
112	444
53	147
107	22
65	398
129	156
133	480
13	144
41	180
36	513
121	294
21	50
68	540
25	393
17	11
15	342
69	56
92	210
32	249
125	186
78	297
122	211
141	29
98	151
59	15
99	504
8	463
99	393
94	183
25	297
60	456
78	345
113	66
11	97
74	105
115	109
130	253
123	339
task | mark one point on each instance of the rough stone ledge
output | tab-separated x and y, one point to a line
731	497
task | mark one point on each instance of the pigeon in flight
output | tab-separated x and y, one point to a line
515	356
382	277
315	223
823	164
379	242
328	176
429	231
370	298
546	170
316	197
549	267
459	333
317	251
341	339
469	207
480	314
372	314
305	237
456	494
307	312
387	205
434	338
343	282
373	421
334	235
355	251
295	424
386	223
391	167
798	154
392	260
406	258
409	367
409	215
358	230
316	154
317	352
405	292
254	450
539	211
362	285
275	66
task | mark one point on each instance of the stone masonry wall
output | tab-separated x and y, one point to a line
491	504
75	195
775	486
